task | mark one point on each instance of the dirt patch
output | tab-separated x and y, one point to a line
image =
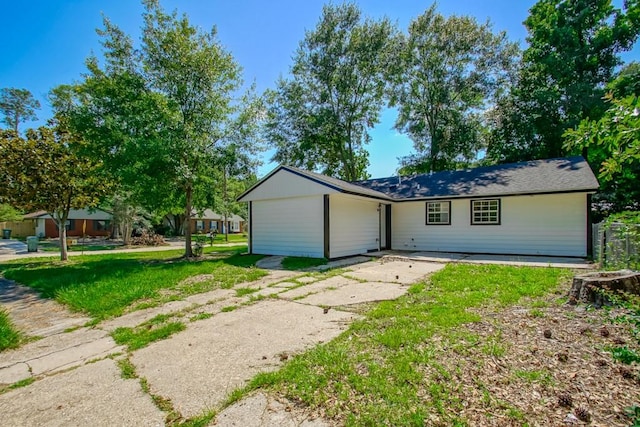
546	366
33	315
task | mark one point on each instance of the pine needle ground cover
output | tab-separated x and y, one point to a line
474	345
106	286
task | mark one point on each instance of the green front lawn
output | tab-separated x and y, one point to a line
374	374
107	285
221	238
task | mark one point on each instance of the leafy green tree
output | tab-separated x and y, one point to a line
237	168
17	106
616	139
319	117
9	213
157	113
452	69
574	49
45	172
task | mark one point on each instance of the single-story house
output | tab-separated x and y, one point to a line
96	222
209	220
538	207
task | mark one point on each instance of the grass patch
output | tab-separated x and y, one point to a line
229	308
374	373
18	384
127	370
240	292
200	316
300	263
146	333
104	286
10	337
535	376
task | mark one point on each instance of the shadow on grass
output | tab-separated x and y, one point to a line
104	285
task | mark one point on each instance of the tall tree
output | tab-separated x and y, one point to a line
613	142
17	106
452	68
45	172
319	117
157	113
574	48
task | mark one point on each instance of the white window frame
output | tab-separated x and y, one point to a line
486	212
199	224
438	209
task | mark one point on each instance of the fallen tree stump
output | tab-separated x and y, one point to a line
588	287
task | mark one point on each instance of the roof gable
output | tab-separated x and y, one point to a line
287	181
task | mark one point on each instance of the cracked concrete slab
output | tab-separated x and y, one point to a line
74	356
318	286
14	373
356	293
199	367
137	317
404	272
261	410
92	395
49	345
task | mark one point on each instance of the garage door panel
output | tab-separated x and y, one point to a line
292	226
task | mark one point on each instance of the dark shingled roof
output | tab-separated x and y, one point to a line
538	176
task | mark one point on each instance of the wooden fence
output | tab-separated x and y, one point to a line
617	245
20	228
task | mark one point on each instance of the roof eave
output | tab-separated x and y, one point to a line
589	190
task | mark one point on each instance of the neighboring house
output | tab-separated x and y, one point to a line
529	208
98	223
210	221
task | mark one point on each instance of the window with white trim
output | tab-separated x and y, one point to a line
438	213
485	212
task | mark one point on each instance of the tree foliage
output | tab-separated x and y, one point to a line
45	172
573	52
451	69
318	118
9	213
17	106
156	114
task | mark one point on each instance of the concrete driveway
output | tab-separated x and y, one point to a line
78	377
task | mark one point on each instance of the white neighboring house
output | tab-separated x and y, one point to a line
529	208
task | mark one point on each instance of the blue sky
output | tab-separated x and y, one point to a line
46	42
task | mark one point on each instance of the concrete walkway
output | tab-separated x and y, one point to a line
78	378
522	260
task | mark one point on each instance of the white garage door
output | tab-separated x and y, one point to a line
292	226
355	225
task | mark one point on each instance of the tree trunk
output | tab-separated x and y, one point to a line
62	233
224	197
589	287
187	226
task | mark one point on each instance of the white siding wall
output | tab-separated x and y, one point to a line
353	225
284	184
292	226
40	227
530	225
